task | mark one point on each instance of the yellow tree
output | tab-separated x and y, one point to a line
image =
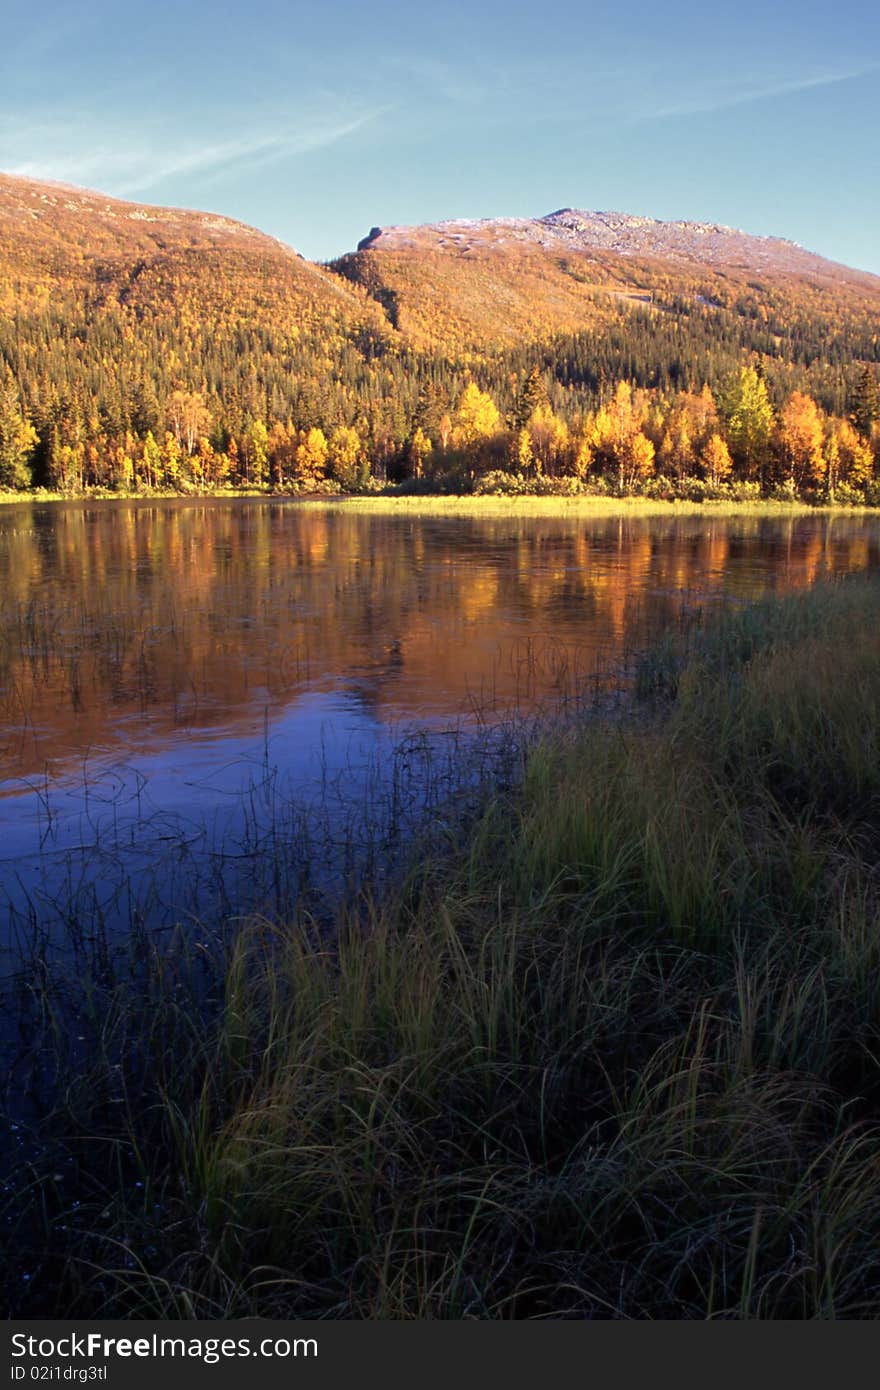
282	450
418	450
234	460
151	455
171	465
444	431
677	444
257	453
522	454
189	418
67	465
619	439
716	459
703	412
345	456
686	431
584	445
213	467
748	417
311	459
18	438
801	436
848	457
476	417
548	436
122	457
637	460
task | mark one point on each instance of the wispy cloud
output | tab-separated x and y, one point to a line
496	97
127	165
458	84
720	95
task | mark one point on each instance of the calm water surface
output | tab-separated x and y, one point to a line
182	682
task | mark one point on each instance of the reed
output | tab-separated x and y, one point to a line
469	504
480	505
607	1051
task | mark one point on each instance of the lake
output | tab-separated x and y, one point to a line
213	703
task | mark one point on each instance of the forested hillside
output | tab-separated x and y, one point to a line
145	348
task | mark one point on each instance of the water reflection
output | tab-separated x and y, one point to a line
160	660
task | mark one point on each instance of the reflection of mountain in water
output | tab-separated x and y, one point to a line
127	626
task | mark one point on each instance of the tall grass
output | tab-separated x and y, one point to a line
613	1054
465	504
526	505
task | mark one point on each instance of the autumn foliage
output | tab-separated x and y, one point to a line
146	349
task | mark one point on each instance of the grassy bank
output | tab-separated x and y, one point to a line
527	506
614	1055
474	505
104	494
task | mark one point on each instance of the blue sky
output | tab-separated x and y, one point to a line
317	121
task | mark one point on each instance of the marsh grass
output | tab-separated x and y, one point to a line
106	494
612	1052
485	505
464	504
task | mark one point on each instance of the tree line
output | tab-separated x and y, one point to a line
686	443
692	397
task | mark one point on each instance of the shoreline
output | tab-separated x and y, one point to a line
463	504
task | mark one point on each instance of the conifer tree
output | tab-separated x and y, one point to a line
866	402
531	398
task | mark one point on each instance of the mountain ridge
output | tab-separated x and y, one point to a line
470	280
626	234
52	192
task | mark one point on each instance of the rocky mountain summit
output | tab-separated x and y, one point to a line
623	234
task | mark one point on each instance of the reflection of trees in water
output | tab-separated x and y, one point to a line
193	614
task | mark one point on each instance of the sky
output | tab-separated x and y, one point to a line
317	121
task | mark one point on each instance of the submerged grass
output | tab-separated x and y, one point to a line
614	1056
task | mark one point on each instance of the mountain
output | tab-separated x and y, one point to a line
127	329
146	260
452	285
469	281
571	229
